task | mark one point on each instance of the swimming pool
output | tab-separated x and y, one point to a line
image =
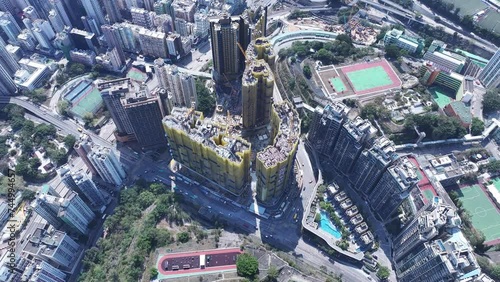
326	225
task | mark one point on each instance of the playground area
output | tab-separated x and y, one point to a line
361	78
484	215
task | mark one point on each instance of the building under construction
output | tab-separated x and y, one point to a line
210	147
275	163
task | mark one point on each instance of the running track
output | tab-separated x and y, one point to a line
396	82
197	270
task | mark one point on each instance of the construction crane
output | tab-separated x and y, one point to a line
242	51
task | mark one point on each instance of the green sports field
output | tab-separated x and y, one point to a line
440	96
337	84
485	217
369	78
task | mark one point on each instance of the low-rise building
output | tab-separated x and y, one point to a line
32	75
458	110
410	44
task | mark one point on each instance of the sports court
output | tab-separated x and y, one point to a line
440	96
369	78
338	85
195	263
361	78
137	75
484	215
424	183
84	98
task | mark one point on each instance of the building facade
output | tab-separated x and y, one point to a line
490	75
257	93
107	165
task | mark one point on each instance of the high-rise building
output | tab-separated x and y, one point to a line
69	211
261	49
83	39
202	25
39	270
58	5
6	6
94	10
230	38
83	148
75	213
82	184
257	94
371	164
326	125
393	188
161	73
490	75
207	148
143	109
30	13
55	247
142	17
433	247
56	21
107	165
275	163
112	36
7	85
181	86
114	14
9	26
42	8
8	62
91	25
353	137
153	43
111	92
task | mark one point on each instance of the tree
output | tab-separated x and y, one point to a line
272	273
307	71
88	118
477	127
247	265
392	51
383	272
317	217
206	101
183	237
63	107
153	272
69	141
491	101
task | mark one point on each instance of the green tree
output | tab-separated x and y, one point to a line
477	127
307	71
88	118
63	107
392	51
183	237
247	265
69	141
146	198
206	101
317	217
383	272
272	273
153	272
491	101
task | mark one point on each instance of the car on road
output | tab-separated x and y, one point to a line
310	182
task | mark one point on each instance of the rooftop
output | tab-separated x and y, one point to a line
384	150
405	173
212	133
359	127
255	69
462	111
43	243
286	139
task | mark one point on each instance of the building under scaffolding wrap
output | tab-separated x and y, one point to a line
275	163
209	147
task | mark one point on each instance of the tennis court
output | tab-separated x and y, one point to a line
428	194
337	83
484	215
137	75
369	78
89	102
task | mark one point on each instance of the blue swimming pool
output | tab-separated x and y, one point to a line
326	225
